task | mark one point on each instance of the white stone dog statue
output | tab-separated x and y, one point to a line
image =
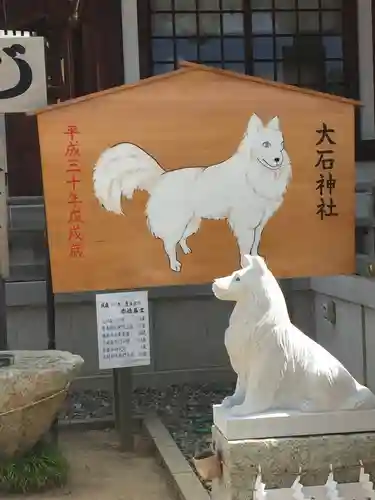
279	368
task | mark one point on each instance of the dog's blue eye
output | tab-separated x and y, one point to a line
266	144
237	278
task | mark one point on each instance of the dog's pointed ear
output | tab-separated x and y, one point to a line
255	124
274	124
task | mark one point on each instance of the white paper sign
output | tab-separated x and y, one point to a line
331	490
123	329
22	74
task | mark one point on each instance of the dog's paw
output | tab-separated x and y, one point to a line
227	402
176	266
185	248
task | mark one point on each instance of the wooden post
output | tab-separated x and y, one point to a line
122	385
51	322
3	317
4	249
123	342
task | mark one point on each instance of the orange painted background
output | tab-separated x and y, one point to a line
195	117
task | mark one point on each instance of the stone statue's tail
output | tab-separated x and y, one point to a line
363	400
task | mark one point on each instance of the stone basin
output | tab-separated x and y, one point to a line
32	391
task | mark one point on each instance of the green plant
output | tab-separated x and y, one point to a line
42	468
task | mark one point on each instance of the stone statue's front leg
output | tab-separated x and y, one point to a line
261	387
238	396
249	407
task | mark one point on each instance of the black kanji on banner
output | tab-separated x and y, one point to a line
26	73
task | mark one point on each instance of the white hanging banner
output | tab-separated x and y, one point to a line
22	74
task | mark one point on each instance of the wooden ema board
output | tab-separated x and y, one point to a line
197	117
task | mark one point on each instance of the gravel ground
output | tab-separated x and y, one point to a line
186	410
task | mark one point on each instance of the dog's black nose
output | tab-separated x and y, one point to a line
277	160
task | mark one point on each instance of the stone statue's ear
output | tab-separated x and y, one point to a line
259	264
247	261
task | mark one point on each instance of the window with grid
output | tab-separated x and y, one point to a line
295	41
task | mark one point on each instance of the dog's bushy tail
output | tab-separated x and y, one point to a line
120	170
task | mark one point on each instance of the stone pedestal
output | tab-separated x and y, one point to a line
271	442
32	392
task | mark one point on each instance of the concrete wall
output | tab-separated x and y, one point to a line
352	337
187	331
187	328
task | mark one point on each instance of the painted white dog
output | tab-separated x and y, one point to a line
247	189
279	368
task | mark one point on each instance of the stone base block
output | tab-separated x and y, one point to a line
280	460
269	425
